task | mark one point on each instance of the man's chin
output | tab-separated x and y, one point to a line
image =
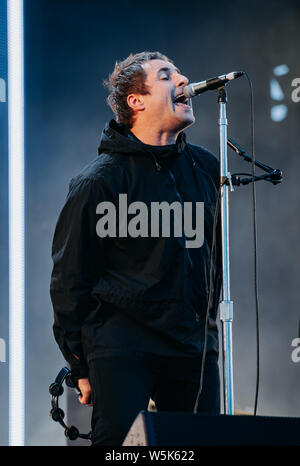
191	120
186	122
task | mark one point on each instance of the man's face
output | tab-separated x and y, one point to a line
165	83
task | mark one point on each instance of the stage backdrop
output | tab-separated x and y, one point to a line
71	46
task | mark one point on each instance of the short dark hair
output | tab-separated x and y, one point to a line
129	76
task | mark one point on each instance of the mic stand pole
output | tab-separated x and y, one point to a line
226	305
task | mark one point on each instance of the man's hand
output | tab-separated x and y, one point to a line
86	390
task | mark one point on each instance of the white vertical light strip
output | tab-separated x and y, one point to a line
16	222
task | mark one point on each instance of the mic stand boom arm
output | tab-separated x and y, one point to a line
274	175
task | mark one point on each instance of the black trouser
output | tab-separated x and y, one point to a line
122	386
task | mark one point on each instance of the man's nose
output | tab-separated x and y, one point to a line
182	81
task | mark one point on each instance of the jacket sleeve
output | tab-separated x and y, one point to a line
77	254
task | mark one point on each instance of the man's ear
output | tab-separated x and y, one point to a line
136	102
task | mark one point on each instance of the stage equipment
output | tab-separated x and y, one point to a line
56	389
175	428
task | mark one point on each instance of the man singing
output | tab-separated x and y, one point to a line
135	310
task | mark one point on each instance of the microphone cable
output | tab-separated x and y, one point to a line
212	256
254	242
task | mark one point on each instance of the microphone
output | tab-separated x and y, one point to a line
197	88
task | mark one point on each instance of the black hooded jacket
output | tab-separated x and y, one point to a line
135	295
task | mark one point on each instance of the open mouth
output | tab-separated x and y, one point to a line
181	100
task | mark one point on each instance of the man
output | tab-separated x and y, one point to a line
135	312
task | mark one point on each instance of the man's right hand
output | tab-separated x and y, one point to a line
86	391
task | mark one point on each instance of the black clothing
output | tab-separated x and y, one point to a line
122	387
131	296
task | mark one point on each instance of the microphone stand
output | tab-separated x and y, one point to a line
226	305
227	181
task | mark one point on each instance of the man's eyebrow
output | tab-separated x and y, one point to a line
166	68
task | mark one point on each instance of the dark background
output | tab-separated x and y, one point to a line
70	47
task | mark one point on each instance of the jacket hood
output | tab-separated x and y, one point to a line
116	138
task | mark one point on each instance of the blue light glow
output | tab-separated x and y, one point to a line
279	112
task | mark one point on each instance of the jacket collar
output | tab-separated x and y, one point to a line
117	138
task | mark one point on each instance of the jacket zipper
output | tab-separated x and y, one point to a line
196	315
